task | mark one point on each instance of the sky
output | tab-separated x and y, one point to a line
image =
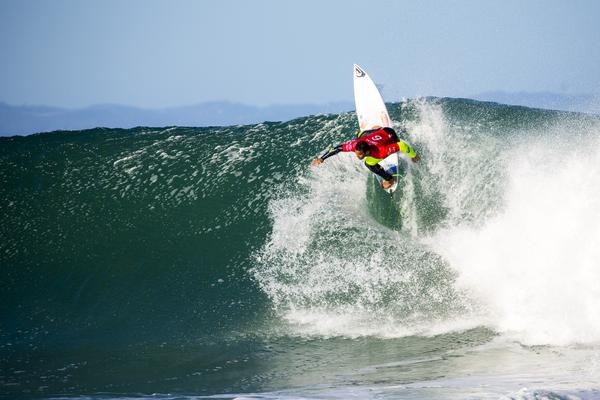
158	54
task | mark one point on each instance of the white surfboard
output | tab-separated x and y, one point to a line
372	114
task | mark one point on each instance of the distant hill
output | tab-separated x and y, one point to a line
586	103
23	120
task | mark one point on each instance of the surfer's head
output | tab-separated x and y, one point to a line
362	150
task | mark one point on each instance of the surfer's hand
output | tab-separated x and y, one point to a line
316	162
416	158
388	184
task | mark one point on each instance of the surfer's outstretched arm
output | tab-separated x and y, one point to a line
331	152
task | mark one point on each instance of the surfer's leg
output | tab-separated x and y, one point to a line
377	169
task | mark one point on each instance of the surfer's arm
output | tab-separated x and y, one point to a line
331	152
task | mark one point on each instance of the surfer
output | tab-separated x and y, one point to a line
373	146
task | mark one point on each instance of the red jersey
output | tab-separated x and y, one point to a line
381	142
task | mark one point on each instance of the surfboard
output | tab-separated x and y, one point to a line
372	113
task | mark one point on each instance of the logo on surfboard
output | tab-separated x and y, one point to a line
358	72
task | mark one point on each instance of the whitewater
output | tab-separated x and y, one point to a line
216	263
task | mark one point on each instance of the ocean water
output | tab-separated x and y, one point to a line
215	263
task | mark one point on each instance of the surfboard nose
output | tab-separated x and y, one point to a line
358	71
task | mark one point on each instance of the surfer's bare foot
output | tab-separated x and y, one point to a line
388	184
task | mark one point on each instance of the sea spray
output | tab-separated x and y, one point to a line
534	264
332	267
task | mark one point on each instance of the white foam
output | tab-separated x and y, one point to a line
535	265
331	270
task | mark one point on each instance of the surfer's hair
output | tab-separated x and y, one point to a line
363	147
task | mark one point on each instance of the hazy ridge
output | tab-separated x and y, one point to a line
28	119
24	120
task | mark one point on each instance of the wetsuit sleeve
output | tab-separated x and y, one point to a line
347	146
331	152
405	148
378	169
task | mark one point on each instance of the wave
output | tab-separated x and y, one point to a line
495	227
230	227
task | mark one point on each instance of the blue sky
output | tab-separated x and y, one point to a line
150	53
